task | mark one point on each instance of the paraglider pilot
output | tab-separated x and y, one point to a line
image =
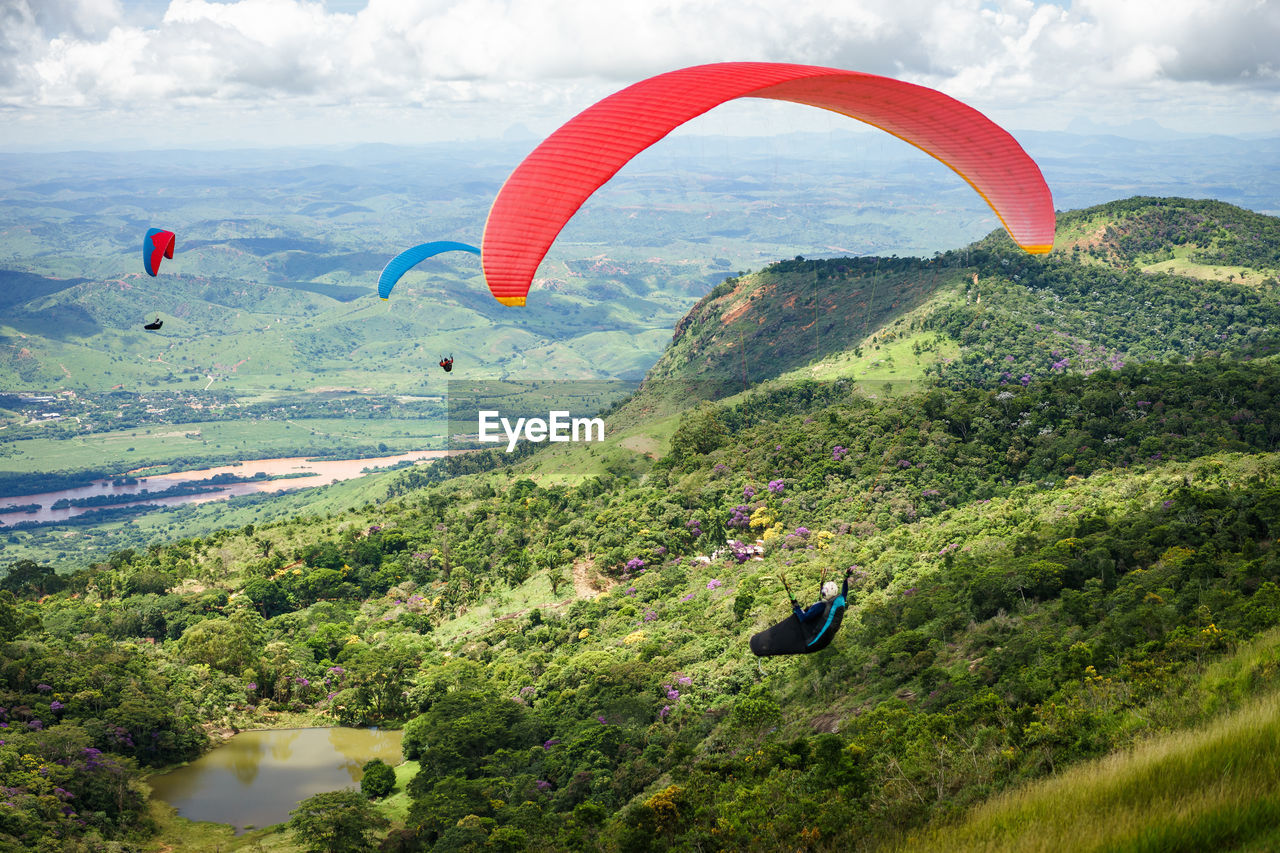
151	327
447	364
829	593
808	630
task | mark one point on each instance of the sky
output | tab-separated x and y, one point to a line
90	74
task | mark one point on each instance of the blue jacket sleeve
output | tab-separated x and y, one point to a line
813	612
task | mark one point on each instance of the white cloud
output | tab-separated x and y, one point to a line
1229	42
523	58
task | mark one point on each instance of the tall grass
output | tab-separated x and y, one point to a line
1216	787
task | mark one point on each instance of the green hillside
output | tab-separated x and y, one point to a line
272	285
1203	238
250	336
990	314
1065	591
793	313
1211	787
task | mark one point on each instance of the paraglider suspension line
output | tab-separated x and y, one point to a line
787	587
875	275
817	332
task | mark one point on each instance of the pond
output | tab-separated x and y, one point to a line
256	778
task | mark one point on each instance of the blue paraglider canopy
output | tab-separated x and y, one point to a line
406	260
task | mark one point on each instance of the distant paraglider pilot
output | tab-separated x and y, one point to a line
447	364
807	630
151	327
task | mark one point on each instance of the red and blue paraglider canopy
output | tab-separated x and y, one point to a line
545	190
156	245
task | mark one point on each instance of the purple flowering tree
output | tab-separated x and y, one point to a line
739	517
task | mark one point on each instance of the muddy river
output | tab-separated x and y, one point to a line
319	474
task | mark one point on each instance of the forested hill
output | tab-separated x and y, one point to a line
1132	280
1144	232
1048	567
756	327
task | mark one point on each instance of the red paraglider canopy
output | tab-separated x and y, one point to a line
545	190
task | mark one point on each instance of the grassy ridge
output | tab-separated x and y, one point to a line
1208	788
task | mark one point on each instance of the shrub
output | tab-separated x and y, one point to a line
379	779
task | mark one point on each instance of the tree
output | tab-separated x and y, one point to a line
10	617
336	822
379	779
27	578
269	598
375	681
226	644
461	728
320	584
147	582
700	432
556	576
